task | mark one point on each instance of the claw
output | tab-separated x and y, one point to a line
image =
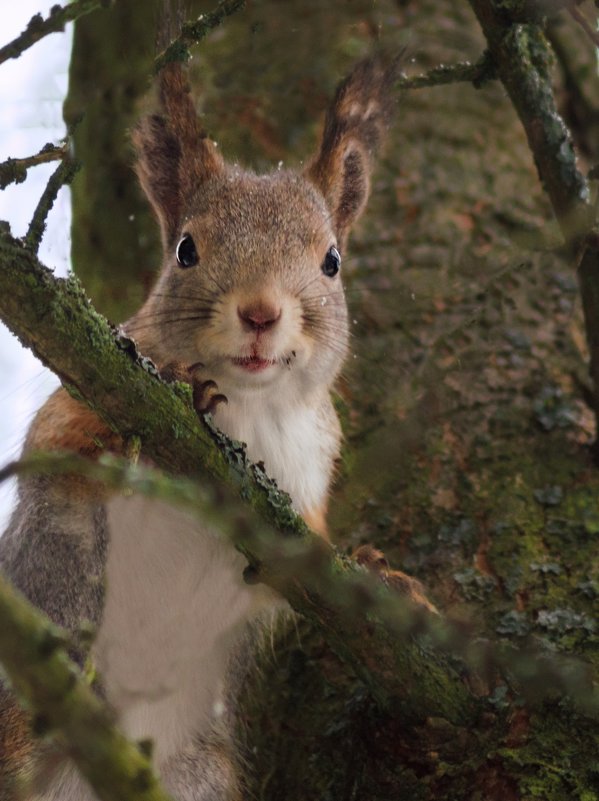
205	400
376	562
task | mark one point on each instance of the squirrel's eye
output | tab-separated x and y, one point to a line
187	255
332	262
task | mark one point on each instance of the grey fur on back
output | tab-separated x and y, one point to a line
54	552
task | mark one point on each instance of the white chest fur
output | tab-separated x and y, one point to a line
296	442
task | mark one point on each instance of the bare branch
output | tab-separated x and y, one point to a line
580	18
194	32
38	27
14	171
63	174
465	71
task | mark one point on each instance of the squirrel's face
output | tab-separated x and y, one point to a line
252	287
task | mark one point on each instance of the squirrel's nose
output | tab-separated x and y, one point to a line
259	316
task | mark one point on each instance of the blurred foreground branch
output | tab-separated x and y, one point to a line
344	600
34	655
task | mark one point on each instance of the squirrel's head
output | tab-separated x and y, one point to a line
251	282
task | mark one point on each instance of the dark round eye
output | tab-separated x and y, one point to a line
332	262
187	255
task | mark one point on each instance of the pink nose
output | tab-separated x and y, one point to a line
259	316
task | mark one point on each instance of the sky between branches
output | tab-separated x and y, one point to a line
32	90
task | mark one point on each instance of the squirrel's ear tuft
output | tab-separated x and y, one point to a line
174	156
354	128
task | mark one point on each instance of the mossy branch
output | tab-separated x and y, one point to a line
34	655
14	171
194	32
523	59
346	601
38	27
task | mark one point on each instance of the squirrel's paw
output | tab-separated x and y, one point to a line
376	562
206	396
176	371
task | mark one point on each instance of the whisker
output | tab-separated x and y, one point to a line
302	288
169	312
132	329
210	298
218	285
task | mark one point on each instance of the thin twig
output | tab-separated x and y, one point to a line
38	27
580	18
193	32
62	175
14	171
465	71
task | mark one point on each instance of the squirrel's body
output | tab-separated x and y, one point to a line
250	289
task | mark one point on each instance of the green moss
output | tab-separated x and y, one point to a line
552	765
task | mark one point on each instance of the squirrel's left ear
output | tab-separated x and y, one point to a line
354	128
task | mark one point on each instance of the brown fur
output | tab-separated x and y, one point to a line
317	520
65	424
354	129
16	746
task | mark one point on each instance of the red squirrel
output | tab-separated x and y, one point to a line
251	289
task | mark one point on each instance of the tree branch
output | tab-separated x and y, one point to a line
586	26
194	32
465	71
14	171
342	599
38	27
523	59
63	174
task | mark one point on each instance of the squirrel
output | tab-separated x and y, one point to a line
249	307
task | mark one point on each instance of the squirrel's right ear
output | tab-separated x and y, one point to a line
354	128
174	156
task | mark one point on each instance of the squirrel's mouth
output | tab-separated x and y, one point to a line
253	364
